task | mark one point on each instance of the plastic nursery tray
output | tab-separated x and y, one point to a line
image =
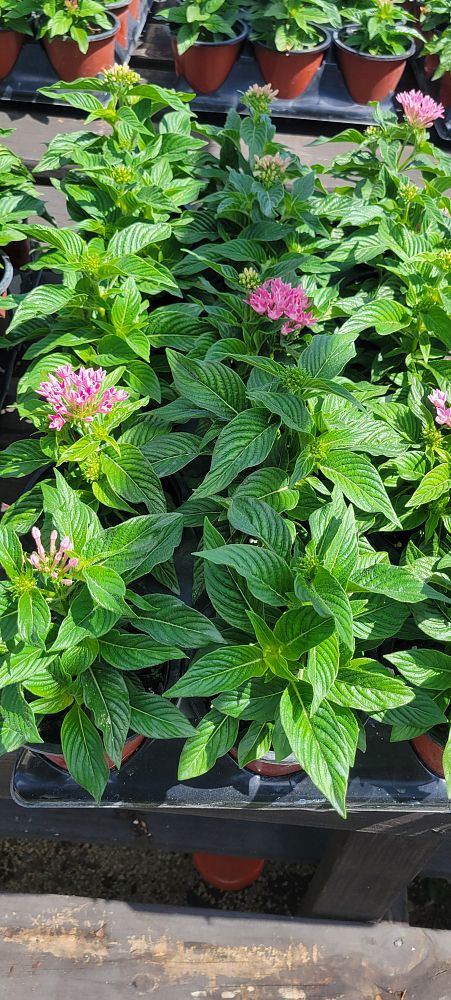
33	69
387	778
428	86
326	99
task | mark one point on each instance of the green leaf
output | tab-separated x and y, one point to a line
156	718
227	590
432	486
70	515
85	618
322	669
136	237
105	694
209	384
396	582
370	687
377	617
78	658
413	719
127	651
17	722
11	554
45	300
324	744
131	475
169	620
106	587
214	736
221	670
244	442
292	411
385	315
336	601
168	453
338	549
424	668
22	665
271	486
257	699
256	518
33	617
84	753
360	482
326	356
255	743
22	458
300	630
268	576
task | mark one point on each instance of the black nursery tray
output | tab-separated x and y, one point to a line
33	69
326	99
387	778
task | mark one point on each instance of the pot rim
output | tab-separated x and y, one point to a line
99	36
117	4
8	273
301	52
402	57
227	41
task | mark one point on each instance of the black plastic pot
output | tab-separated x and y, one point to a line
367	77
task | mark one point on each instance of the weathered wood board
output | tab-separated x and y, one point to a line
61	947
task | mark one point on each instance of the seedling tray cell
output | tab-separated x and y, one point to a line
33	69
389	777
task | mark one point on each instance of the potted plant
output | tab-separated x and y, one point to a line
290	43
374	48
78	37
438	49
15	25
121	9
79	678
206	40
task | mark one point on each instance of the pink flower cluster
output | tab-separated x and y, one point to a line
276	298
420	110
442	411
56	564
78	395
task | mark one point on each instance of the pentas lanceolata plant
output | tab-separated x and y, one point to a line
288	406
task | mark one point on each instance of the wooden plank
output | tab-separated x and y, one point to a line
56	946
360	877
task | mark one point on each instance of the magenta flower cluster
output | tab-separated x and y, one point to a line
55	563
442	411
420	110
276	299
78	396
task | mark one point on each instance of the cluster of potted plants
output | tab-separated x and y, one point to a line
238	390
436	27
373	42
79	36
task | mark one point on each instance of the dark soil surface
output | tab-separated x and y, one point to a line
138	875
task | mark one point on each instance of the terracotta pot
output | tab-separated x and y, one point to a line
121	9
53	751
267	766
70	63
10	45
223	871
430	64
206	65
430	752
368	78
291	72
19	252
445	90
134	10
